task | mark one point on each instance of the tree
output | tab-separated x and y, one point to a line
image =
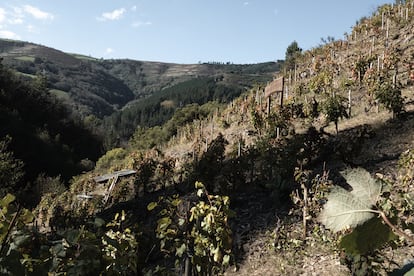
11	169
335	109
292	53
389	95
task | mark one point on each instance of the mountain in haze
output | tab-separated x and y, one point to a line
99	87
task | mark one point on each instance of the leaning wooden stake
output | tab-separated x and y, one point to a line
305	209
11	225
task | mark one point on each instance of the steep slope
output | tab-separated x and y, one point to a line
262	160
87	89
42	133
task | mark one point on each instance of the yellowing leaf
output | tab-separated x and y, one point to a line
199	185
226	260
180	251
217	255
7	199
151	206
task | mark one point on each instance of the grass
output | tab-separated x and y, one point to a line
60	94
25	58
83	57
26	75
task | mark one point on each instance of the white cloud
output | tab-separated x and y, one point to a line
138	24
134	8
16	16
31	28
2	15
113	15
8	34
109	51
37	13
15	21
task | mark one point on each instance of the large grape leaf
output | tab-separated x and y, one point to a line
364	186
347	209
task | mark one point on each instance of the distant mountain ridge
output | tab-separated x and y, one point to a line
99	87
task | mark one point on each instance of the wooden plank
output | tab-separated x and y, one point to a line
108	176
275	86
108	193
84	196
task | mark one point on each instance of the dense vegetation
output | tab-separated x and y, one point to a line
39	134
161	106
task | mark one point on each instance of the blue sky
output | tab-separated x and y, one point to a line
181	31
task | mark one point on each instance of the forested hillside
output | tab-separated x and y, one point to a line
99	87
223	177
41	134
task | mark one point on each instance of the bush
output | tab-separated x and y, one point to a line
107	161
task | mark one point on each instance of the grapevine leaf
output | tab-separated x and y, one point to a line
199	185
7	199
346	209
98	222
163	223
151	206
410	272
217	256
226	260
364	187
373	233
180	250
26	216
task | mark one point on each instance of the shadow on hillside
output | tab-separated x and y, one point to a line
260	208
376	148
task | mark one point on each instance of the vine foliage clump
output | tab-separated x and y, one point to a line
194	232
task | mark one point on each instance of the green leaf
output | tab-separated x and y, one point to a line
73	235
98	222
163	223
7	199
217	254
367	237
176	202
199	185
151	206
26	216
410	272
180	251
199	192
226	260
